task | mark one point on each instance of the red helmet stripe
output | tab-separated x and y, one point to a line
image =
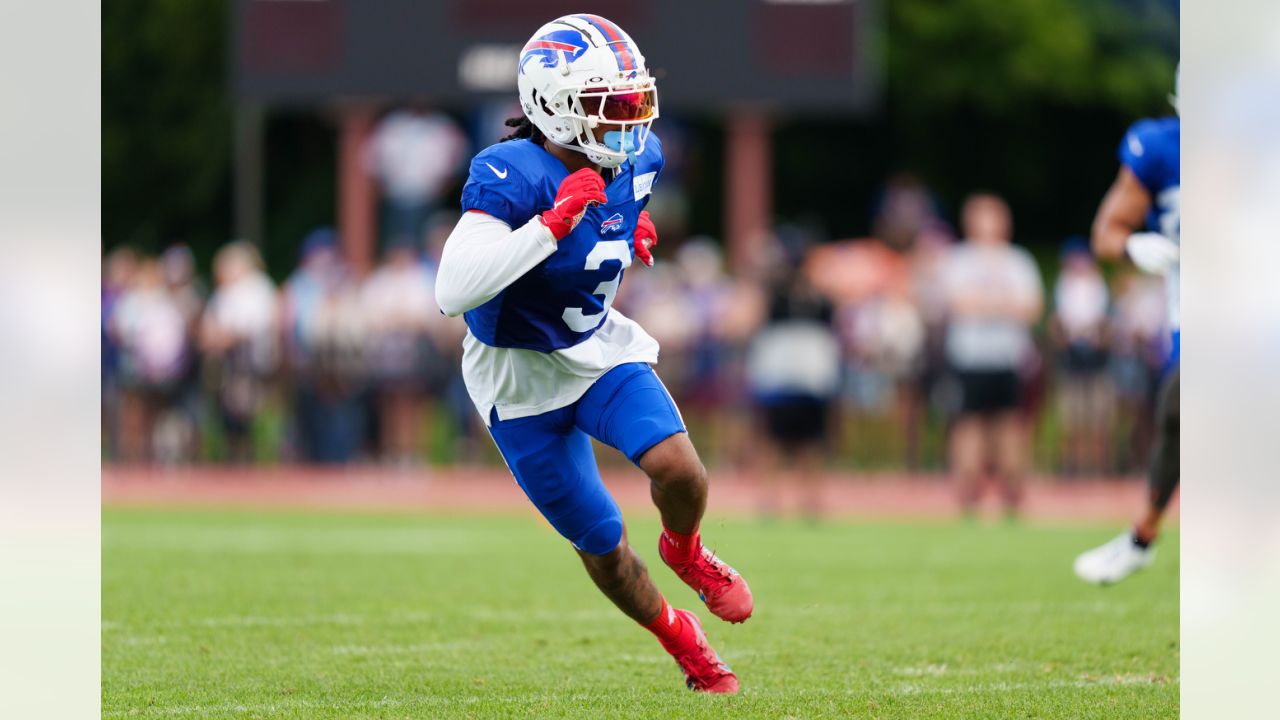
626	60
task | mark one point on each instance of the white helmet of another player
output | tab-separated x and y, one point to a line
580	73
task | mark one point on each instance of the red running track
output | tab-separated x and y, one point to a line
897	496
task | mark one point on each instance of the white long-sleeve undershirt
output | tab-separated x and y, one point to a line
482	256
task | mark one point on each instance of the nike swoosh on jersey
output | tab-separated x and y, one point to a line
502	175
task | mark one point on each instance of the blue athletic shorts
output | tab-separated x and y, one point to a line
551	457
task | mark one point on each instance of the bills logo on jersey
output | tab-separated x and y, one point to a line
547	49
613	224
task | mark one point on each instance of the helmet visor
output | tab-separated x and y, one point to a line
619	106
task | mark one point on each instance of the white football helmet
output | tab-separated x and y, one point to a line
580	72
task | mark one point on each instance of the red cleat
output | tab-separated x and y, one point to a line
718	585
703	671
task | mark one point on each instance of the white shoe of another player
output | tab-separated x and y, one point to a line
1113	562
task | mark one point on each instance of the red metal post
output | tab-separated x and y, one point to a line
357	191
748	189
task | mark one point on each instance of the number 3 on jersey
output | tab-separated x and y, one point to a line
604	251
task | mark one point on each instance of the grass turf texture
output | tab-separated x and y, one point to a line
246	615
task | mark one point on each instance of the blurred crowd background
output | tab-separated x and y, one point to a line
942	232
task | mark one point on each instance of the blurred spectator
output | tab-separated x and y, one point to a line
470	438
179	430
881	340
707	291
793	372
238	339
118	269
406	366
414	154
659	302
149	333
1078	328
740	313
703	319
929	257
668	204
888	344
1139	347
487	122
323	329
178	266
995	297
903	210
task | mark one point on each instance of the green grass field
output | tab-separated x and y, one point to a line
253	615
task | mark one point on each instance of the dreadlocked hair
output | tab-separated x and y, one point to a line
524	128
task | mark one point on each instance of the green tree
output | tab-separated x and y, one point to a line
166	123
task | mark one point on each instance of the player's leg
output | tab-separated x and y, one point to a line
677	483
629	409
1132	551
553	463
1164	473
623	578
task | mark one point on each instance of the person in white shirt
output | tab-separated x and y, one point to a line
238	336
994	298
414	154
405	366
1080	328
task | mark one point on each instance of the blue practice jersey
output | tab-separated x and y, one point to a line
1151	150
565	298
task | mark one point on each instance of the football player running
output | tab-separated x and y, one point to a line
553	216
1145	195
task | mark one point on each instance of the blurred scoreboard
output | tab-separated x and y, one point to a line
709	55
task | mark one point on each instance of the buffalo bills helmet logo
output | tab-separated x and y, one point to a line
547	48
613	224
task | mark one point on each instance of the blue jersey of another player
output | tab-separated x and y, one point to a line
565	298
1151	150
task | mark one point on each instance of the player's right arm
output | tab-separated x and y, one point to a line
1117	229
1122	213
484	254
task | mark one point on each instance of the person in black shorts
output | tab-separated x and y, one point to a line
994	297
793	370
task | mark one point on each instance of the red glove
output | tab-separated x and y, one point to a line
646	237
576	193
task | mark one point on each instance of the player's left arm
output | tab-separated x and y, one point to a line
646	235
